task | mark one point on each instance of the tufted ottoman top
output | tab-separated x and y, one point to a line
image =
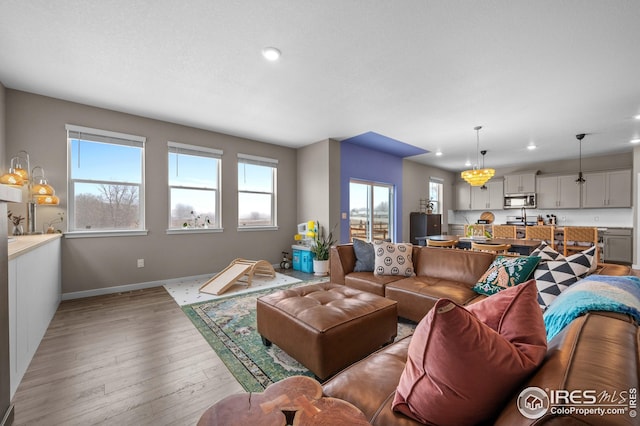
324	306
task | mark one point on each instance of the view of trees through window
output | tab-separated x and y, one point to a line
256	193
105	181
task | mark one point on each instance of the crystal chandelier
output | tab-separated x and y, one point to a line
477	176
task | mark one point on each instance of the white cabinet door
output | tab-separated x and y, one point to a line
607	189
479	198
496	194
594	190
568	192
547	192
619	187
520	184
462	196
558	192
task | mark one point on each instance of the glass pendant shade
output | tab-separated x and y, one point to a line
42	188
47	200
11	178
477	176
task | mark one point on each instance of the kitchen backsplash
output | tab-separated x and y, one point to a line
577	217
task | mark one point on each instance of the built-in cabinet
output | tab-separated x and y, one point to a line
618	245
607	189
462	196
558	192
34	295
520	184
489	198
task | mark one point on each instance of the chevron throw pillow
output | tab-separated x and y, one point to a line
554	276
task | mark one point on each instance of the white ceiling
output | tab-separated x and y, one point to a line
421	72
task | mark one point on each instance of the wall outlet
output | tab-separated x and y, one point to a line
140	263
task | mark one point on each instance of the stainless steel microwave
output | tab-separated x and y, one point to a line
517	201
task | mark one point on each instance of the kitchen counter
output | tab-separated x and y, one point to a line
22	244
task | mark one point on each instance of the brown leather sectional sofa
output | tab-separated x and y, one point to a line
597	352
440	273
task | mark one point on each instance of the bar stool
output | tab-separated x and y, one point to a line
580	238
504	231
541	232
447	243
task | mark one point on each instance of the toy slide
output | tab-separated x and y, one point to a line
234	272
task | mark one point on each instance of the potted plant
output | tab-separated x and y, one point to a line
320	249
430	205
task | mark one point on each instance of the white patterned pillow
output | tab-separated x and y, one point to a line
545	252
555	276
393	259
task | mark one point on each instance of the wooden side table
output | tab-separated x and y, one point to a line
296	401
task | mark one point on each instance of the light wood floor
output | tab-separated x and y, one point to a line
124	359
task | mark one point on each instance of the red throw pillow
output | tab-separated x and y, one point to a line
464	364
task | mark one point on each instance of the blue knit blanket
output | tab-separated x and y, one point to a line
594	293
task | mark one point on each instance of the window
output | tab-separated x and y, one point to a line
106	181
435	194
257	177
194	187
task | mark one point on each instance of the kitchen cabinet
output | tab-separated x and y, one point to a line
607	189
617	245
558	192
423	224
492	197
520	184
462	196
34	295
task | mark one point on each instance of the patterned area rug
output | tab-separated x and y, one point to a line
229	326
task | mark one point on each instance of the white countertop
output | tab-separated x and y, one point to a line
25	243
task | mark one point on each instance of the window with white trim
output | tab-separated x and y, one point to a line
436	186
106	180
257	182
194	187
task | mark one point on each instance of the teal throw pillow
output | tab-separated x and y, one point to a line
505	272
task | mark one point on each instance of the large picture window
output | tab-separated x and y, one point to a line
106	181
194	187
257	178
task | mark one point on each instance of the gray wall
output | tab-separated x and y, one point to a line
37	125
319	184
4	163
415	185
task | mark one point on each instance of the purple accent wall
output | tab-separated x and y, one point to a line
378	142
357	162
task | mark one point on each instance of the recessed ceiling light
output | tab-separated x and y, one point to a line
271	53
635	141
467	164
531	147
438	153
637	117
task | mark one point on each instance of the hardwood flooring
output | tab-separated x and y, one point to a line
123	359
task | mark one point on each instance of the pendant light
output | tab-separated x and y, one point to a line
580	179
477	176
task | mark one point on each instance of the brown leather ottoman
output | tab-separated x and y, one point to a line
326	327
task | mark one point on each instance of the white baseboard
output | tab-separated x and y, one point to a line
127	287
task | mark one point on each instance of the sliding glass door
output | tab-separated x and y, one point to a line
371	212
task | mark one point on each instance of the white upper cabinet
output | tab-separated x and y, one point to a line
558	192
491	198
607	189
520	184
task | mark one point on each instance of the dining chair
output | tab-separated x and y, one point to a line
544	233
496	248
579	238
504	231
447	243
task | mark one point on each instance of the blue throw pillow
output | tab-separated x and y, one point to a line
365	256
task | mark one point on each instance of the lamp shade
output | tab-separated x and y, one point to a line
477	177
12	178
42	188
47	200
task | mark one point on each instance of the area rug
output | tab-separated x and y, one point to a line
186	291
229	325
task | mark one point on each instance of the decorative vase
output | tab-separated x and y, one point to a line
18	230
320	267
